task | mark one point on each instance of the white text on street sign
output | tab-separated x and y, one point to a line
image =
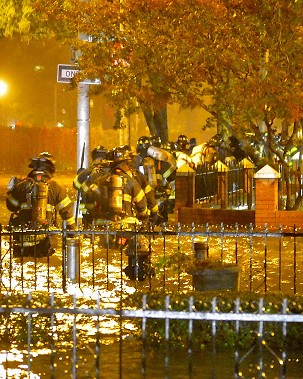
65	74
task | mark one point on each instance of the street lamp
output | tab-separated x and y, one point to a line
3	88
3	91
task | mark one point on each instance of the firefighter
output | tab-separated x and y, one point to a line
98	155
34	202
85	177
131	169
183	143
118	195
121	200
183	152
162	167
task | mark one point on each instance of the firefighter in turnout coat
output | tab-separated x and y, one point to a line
86	177
122	201
34	203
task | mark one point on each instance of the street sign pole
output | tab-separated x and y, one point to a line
83	124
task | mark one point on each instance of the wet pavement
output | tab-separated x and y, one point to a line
196	365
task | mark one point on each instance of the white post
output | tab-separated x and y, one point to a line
83	125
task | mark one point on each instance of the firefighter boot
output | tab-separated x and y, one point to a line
131	269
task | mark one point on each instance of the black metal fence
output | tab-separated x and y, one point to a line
210	181
57	324
270	260
239	186
83	337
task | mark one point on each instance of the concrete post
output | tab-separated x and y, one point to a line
248	180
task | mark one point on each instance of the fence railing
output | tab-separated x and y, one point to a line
80	336
209	182
270	260
239	186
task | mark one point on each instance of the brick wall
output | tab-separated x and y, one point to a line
266	206
201	216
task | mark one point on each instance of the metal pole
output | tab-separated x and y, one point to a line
83	124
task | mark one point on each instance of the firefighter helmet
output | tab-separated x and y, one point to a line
216	140
122	153
143	144
156	141
44	162
170	146
193	142
182	141
98	152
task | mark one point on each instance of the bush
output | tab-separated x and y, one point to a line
226	335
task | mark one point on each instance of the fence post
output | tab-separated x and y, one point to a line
248	180
267	195
185	187
222	183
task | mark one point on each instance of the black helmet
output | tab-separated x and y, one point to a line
98	152
193	141
143	143
122	153
170	146
156	141
182	141
44	162
216	140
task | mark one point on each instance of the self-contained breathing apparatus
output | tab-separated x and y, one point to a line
38	198
31	198
150	171
109	198
32	193
115	195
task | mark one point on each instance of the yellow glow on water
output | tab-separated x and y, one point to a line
16	373
14	355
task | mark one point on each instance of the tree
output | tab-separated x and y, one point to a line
244	54
134	49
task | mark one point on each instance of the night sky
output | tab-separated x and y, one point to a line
30	70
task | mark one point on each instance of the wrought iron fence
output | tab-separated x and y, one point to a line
210	181
239	187
270	260
81	336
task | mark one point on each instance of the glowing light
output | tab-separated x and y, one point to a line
3	88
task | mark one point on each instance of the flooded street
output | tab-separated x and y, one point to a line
120	355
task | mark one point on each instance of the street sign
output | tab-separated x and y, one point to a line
66	72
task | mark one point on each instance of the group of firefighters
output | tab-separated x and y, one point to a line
119	185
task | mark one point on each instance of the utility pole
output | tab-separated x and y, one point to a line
83	114
83	124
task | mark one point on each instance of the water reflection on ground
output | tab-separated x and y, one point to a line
102	272
128	360
273	268
124	359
